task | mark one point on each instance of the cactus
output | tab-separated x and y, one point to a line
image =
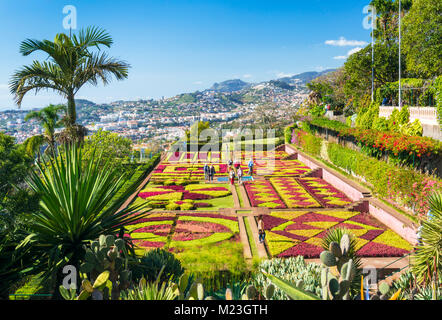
337	287
251	292
195	292
104	261
269	291
98	291
384	289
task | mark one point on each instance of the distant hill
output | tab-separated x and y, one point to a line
84	103
285	83
304	78
230	86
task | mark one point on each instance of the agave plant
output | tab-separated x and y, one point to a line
427	262
77	205
152	290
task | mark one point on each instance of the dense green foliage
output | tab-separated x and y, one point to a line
349	88
153	262
108	148
423	38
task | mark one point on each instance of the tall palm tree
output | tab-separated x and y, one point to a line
49	120
79	201
71	64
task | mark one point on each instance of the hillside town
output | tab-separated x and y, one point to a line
166	119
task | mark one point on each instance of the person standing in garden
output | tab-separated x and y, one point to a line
232	176
261	230
211	173
250	165
239	173
206	172
236	164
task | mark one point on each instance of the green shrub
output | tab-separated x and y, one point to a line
366	118
380	124
150	266
187	206
288	133
309	142
317	111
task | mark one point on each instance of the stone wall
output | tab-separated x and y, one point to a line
426	115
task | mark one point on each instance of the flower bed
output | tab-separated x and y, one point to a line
282	168
176	197
326	194
296	233
293	194
262	194
190	230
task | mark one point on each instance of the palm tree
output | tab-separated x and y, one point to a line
49	120
70	65
79	201
32	146
427	260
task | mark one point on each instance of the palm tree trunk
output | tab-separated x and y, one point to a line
72	112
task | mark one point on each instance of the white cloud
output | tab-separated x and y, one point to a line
247	76
342	42
320	68
354	51
340	57
198	82
3	86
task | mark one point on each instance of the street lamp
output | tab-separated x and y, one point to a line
400	84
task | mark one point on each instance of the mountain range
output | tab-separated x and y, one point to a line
298	79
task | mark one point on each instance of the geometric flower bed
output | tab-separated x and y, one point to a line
282	168
175	197
182	171
178	231
293	194
290	234
326	194
262	194
192	157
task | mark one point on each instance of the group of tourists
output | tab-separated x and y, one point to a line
209	172
235	170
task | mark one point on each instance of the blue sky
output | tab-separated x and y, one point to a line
183	46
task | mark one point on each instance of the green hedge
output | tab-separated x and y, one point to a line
141	172
403	185
308	142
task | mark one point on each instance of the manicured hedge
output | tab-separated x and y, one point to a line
403	185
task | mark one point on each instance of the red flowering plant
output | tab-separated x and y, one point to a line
406	149
420	194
